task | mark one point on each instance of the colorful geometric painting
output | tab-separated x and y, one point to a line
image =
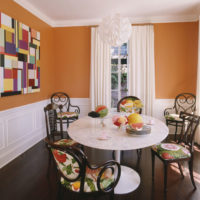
19	57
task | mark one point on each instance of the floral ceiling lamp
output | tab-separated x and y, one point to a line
115	30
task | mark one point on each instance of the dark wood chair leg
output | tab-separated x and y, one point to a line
113	155
175	132
165	177
139	153
181	171
153	164
191	173
122	153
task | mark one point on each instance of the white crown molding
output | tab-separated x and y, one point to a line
69	23
165	19
89	22
35	11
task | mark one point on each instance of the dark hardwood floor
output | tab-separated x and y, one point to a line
25	177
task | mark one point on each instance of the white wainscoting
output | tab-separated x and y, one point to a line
159	107
24	126
20	129
83	103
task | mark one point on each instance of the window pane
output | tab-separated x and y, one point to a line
124	84
123	49
114	99
114	68
124	61
114	61
124	69
114	81
114	51
119	70
124	93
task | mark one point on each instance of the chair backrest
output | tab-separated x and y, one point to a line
72	165
128	103
61	98
185	102
190	124
51	121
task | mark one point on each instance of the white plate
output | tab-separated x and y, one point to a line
170	147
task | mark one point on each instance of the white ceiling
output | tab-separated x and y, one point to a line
90	12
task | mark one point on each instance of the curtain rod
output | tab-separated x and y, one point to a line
131	24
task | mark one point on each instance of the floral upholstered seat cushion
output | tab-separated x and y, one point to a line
67	142
130	105
170	151
174	117
67	114
70	168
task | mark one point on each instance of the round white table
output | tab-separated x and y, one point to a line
90	132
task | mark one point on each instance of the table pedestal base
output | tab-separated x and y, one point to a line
128	182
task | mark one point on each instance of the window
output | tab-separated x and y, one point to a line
119	73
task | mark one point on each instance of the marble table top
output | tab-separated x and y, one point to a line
89	132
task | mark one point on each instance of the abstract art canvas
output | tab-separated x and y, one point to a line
19	57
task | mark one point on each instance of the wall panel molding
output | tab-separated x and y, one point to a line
24	126
160	105
2	137
83	103
18	130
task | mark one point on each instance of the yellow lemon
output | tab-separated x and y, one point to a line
134	118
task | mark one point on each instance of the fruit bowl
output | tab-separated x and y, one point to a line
119	121
102	110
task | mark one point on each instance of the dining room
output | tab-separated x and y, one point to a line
99	99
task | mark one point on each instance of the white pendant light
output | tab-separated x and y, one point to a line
115	30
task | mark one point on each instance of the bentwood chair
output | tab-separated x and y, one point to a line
54	126
76	175
54	129
69	112
180	151
130	104
185	102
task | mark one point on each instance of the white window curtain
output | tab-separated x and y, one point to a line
100	76
197	136
142	67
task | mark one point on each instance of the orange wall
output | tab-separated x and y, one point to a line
47	71
176	48
65	58
72	54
